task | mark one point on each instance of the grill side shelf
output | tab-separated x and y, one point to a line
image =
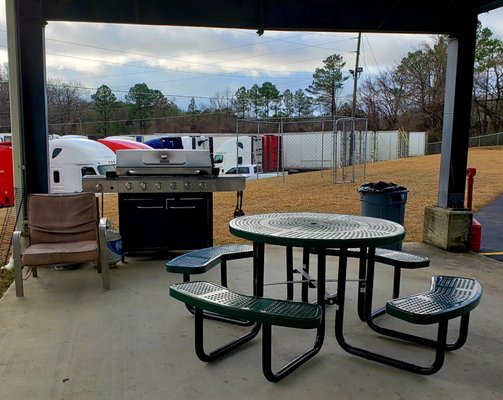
163	184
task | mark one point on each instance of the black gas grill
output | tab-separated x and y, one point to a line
165	198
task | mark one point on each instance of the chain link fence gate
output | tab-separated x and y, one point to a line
299	145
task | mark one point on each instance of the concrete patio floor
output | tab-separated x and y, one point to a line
68	339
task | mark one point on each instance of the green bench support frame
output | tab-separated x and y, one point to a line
202	260
394	258
264	312
449	297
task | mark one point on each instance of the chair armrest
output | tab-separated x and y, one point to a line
103	222
16	256
102	232
16	239
19	242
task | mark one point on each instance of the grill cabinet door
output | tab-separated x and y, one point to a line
190	221
165	221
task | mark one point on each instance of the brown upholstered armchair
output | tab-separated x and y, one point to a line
62	228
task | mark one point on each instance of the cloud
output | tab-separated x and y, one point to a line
494	21
186	62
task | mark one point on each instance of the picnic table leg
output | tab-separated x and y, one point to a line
369	283
362	280
364	301
258	269
321	288
395	294
223	272
396	282
305	267
289	272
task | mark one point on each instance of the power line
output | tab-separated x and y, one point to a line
201	52
373	55
189	62
254	70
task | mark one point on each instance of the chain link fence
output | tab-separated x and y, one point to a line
277	147
494	139
338	148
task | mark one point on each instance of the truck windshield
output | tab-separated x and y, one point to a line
88	171
239	170
103	169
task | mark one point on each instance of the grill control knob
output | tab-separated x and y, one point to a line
202	185
99	187
143	185
158	185
129	185
188	185
172	185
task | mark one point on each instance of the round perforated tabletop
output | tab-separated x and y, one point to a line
323	230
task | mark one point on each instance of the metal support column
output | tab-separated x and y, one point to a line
457	110
25	26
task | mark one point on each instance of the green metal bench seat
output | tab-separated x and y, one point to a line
202	260
394	258
449	297
262	311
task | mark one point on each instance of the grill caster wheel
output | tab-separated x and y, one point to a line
331	299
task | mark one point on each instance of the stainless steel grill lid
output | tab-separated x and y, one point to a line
164	162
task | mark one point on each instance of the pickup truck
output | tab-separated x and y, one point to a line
253	171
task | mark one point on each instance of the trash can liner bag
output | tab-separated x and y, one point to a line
380	187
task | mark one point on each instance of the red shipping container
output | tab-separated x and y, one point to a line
271	154
6	175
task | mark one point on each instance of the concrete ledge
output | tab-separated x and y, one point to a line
447	229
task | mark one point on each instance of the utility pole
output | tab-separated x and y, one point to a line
355	74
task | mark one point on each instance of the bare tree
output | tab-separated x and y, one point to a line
423	74
4	99
66	103
382	98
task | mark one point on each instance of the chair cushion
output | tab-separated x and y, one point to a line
59	253
62	217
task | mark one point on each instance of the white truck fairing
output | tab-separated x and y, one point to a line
72	158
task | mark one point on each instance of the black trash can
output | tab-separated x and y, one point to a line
384	200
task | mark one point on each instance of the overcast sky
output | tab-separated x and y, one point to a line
197	62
